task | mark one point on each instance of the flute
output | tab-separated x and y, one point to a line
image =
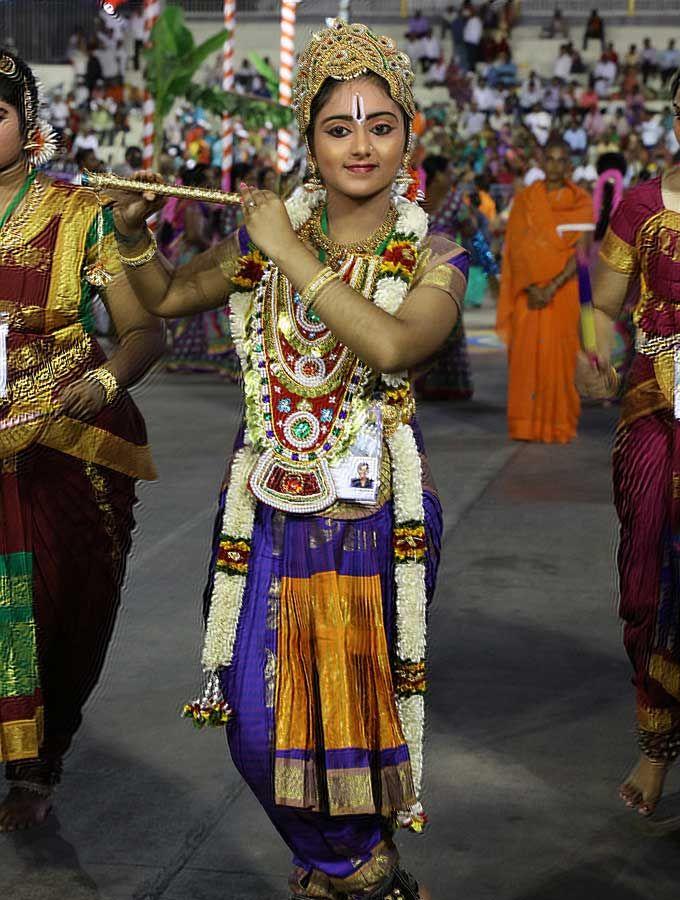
105	181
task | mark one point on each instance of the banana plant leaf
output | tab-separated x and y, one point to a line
267	72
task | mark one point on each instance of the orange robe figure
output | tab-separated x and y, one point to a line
542	344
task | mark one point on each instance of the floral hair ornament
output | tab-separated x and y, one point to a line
42	143
8	68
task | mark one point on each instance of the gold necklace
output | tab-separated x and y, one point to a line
12	235
336	253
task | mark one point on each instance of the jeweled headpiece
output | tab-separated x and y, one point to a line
345	51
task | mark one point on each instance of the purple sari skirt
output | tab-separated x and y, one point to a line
337	846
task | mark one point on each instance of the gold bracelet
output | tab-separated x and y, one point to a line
310	292
134	262
107	380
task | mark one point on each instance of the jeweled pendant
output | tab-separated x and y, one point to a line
97	275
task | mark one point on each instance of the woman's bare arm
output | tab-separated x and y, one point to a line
202	284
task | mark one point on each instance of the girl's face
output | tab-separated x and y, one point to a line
676	115
358	139
11	139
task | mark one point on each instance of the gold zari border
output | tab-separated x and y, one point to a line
657	721
21	739
92	444
667	673
617	254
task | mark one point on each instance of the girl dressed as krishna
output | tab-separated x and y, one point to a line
318	588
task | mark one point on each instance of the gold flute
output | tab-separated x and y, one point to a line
106	181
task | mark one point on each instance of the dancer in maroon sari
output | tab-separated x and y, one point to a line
72	444
643	242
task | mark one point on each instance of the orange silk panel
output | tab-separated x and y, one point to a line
333	666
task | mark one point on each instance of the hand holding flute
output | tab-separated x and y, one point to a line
132	209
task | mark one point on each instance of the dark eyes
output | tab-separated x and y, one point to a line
381	129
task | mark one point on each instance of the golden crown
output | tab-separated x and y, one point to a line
345	51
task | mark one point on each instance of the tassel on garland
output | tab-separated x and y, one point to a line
211	709
414	819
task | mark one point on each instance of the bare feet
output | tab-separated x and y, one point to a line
643	788
23	809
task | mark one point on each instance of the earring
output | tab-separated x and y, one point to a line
404	179
312	182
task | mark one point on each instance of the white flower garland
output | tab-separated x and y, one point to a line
228	589
411	602
239	513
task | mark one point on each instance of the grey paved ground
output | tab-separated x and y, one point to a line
530	711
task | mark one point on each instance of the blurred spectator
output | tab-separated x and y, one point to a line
563	63
539	122
86	159
457	34
558	26
649	60
632	58
504	72
133	162
472	120
485	96
59	113
107	54
472	36
244	77
138	35
669	61
589	98
530	93
651	131
595	124
414	49
533	173
77	56
86	140
605	76
594	30
575	136
93	72
419	25
431	51
552	97
610	55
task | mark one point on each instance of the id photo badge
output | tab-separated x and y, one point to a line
357	476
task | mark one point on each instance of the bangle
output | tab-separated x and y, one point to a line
310	292
107	380
134	262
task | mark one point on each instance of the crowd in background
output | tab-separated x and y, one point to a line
480	108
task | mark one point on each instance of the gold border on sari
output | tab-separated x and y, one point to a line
667	673
21	740
94	445
617	254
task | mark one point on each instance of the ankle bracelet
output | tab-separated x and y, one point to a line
43	790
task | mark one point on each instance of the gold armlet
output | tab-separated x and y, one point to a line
107	380
311	291
134	262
